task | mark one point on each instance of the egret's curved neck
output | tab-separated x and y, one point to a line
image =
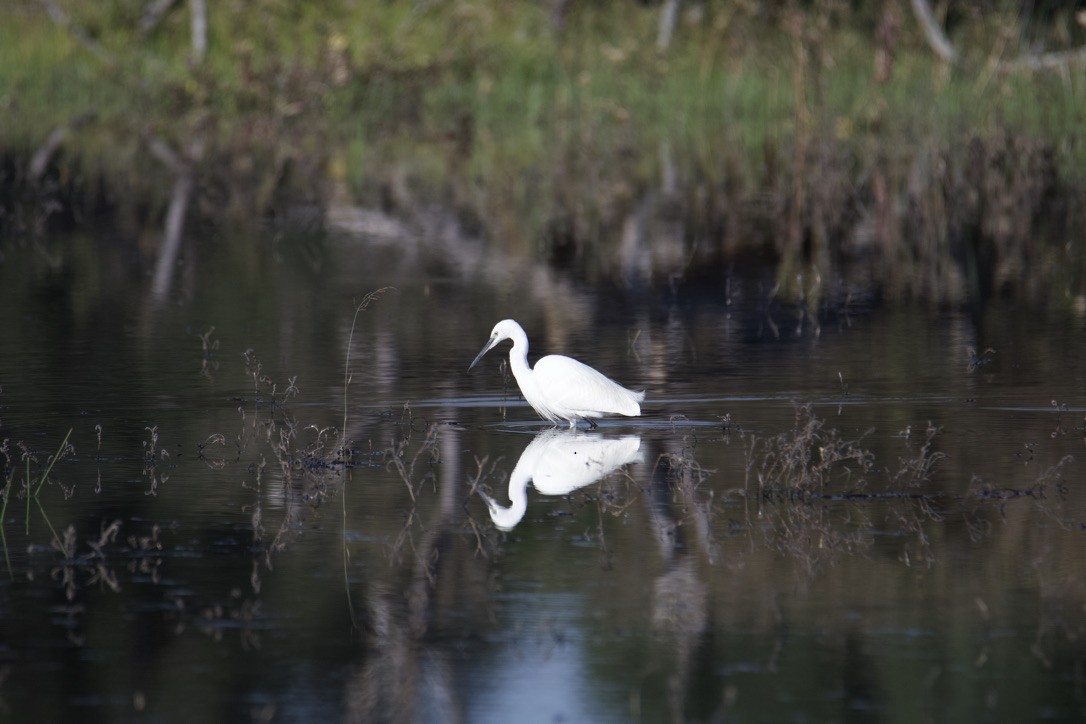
518	355
507	518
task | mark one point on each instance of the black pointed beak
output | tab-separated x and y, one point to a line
486	348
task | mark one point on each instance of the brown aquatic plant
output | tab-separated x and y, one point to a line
805	480
806	461
917	469
366	301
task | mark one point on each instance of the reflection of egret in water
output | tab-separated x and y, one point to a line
557	462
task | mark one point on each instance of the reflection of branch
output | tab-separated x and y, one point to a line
407	472
166	155
61	18
179	202
45	153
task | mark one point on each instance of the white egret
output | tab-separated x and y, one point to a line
560	387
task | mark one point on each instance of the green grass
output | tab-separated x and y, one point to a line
411	69
486	105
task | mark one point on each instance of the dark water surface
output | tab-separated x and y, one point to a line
217	561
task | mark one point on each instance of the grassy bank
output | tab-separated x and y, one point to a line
829	141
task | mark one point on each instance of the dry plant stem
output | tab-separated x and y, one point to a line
343	449
366	300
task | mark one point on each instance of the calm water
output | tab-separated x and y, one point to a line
200	553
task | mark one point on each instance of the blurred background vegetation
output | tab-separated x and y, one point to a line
918	151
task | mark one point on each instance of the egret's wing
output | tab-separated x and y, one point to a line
575	387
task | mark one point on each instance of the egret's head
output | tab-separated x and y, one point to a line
505	519
503	330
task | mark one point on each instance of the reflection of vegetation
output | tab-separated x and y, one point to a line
822	133
31	492
1047	492
368	299
810	461
808	483
794	475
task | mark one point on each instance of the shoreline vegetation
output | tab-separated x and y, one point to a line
894	150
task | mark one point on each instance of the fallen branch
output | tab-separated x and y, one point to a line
153	14
1045	61
669	16
61	18
936	38
198	8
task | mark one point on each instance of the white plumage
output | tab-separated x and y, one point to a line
560	387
